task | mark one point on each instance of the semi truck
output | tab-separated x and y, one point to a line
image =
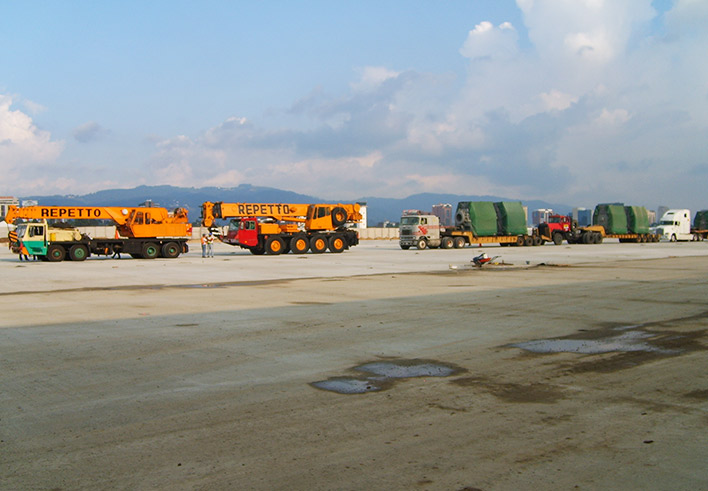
143	232
675	225
700	225
615	221
476	222
279	228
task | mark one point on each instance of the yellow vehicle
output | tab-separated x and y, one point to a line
141	232
277	228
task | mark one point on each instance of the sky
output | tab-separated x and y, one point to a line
576	102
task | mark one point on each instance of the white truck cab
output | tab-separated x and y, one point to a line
675	225
420	231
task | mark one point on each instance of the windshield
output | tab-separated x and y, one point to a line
21	230
666	222
410	220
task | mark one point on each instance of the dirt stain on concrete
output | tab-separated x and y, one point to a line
513	392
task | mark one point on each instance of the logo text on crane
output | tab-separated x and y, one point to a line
263	209
70	212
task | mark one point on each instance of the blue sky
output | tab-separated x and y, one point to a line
572	101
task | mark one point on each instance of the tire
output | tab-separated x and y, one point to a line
299	244
520	240
557	238
337	243
447	243
536	240
598	238
136	256
339	216
405	247
673	238
422	244
274	245
171	250
459	242
318	244
56	253
78	252
150	250
586	238
528	241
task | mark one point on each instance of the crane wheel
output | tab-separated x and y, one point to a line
171	250
78	252
318	244
150	250
557	238
337	243
274	245
55	253
339	216
299	244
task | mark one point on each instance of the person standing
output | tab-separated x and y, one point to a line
210	245
204	245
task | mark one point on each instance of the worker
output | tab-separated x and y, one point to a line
210	245
204	245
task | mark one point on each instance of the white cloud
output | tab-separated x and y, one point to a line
371	77
23	147
488	42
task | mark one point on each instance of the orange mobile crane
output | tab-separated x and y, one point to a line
141	232
277	228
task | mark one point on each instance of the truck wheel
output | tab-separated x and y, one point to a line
536	240
422	244
459	242
339	216
673	238
171	250
318	244
520	240
299	244
598	238
557	239
586	238
405	247
150	250
55	253
258	250
274	245
78	252
447	243
337	243
528	241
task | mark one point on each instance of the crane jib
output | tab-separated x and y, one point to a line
70	212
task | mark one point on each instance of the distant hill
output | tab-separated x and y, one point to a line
378	209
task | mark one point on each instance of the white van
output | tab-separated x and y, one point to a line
675	225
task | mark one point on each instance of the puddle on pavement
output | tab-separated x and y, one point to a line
623	347
383	375
635	340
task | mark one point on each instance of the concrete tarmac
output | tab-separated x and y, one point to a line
561	367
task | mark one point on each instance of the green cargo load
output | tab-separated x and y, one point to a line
700	222
479	217
637	219
612	217
511	218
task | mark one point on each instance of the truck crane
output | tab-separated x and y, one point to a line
145	232
277	228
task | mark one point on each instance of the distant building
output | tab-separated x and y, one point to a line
660	211
444	213
541	215
582	216
362	209
652	216
6	202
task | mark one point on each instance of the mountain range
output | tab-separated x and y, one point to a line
378	209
